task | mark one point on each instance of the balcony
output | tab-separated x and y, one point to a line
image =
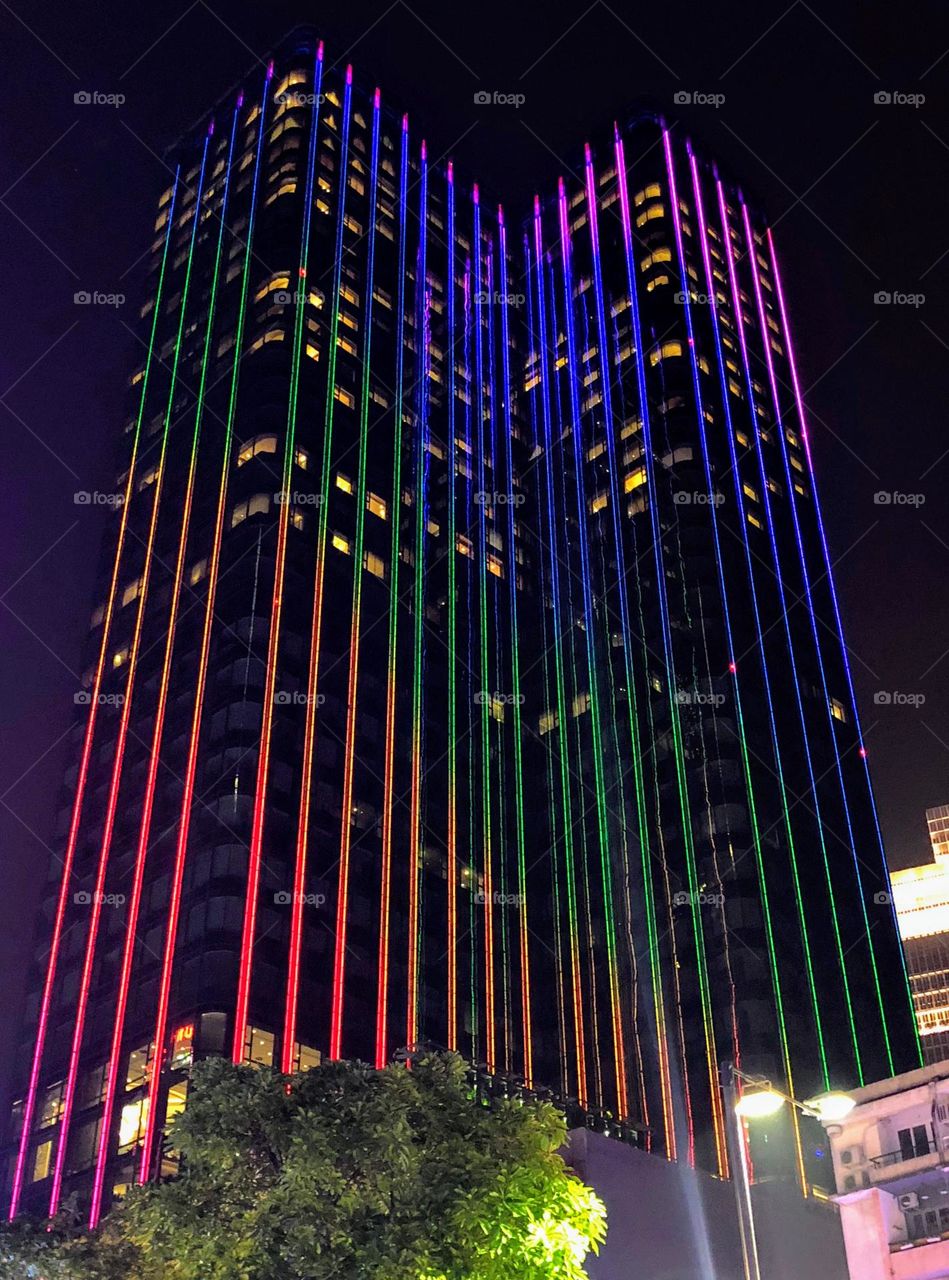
904	1162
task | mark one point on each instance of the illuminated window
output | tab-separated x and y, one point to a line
148	477
341	543
41	1161
547	722
120	657
580	704
375	564
671	348
132	1121
271	285
260	444
838	710
463	545
598	502
495	566
753	519
302	459
132	592
634	479
139	1066
198	571
377	506
177	1100
305	1057
258	1047
342	395
259	504
750	492
656	283
657	255
343	482
52	1106
652	192
182	1047
651	212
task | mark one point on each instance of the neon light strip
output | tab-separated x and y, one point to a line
547	445
451	841
342	900
527	1064
83	773
763	479
69	1089
421	505
669	660
469	735
479	445
382	993
270	682
187	798
609	922
799	401
128	951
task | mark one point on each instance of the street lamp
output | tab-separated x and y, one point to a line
758	1100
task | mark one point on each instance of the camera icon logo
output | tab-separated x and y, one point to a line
882	498
882	298
82	898
883	97
883	698
83	698
682	98
283	297
82	98
82	298
882	899
283	898
482	98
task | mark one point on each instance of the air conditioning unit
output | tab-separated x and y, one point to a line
909	1200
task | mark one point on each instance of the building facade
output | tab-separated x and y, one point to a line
891	1166
465	667
921	896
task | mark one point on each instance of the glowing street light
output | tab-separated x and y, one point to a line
756	1104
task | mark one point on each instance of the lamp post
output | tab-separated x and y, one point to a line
756	1100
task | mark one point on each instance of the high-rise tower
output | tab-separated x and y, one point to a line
465	666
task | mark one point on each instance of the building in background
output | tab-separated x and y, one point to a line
464	648
921	896
891	1166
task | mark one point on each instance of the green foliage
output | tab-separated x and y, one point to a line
355	1174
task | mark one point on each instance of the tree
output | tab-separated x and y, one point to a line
356	1174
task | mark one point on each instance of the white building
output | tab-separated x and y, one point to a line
891	1164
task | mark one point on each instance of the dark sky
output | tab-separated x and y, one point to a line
857	191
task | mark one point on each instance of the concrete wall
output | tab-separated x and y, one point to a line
668	1222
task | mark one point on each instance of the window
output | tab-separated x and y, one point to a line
672	348
258	1047
139	1066
375	564
341	543
377	506
838	710
304	1057
52	1106
132	592
259	504
41	1161
182	1046
344	483
259	444
913	1142
198	571
132	1120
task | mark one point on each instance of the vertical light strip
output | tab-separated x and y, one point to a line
606	871
507	395
85	982
678	750
414	941
141	853
187	796
83	772
382	989
548	358
451	841
352	693
295	947
799	401
255	853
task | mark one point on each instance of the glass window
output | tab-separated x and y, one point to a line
52	1106
306	1057
182	1046
258	1047
41	1160
132	1122
139	1066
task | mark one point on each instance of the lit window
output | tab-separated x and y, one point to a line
598	503
344	483
375	564
671	348
750	492
132	592
652	192
342	395
258	1047
302	459
41	1160
198	571
132	1120
139	1066
177	1100
634	479
341	543
120	657
52	1107
305	1057
838	710
377	506
182	1047
547	722
148	477
260	444
649	213
463	545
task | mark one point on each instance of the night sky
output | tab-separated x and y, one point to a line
856	189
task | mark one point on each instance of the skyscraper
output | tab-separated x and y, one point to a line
465	667
921	897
